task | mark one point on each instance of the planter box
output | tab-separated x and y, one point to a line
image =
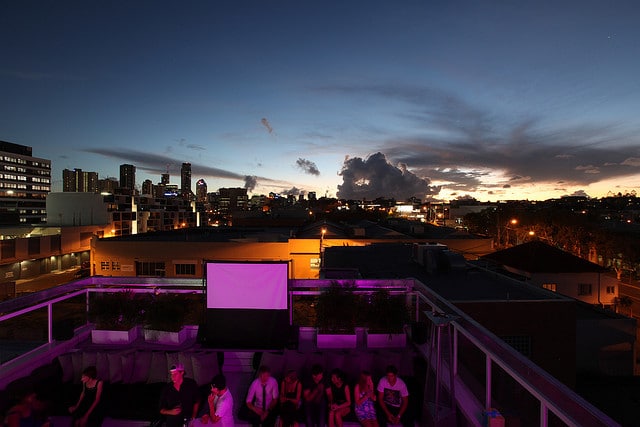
386	340
101	336
165	337
336	340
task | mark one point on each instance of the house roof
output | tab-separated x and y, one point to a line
539	257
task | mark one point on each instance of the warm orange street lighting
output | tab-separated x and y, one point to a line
514	221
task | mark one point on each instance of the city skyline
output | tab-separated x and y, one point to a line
494	100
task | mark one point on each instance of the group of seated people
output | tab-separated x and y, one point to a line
318	401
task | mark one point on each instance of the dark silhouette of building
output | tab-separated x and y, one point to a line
185	181
201	191
147	187
128	177
107	185
79	181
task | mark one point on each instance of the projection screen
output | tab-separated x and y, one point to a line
246	305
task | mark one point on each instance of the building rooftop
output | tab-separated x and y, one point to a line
210	234
539	257
468	283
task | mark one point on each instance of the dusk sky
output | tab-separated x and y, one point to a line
434	99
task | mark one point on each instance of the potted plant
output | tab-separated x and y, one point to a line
116	316
164	318
337	310
387	316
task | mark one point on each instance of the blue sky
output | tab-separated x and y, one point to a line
434	99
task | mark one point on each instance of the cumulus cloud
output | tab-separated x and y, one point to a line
466	148
307	166
293	191
579	193
375	177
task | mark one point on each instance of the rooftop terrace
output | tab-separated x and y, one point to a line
467	372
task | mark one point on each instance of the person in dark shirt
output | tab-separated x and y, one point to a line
180	399
88	411
339	398
315	402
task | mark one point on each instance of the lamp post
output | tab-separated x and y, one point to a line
513	223
323	231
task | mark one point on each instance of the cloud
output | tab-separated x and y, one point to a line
293	191
266	125
375	177
250	182
307	166
631	161
183	143
466	147
158	164
579	193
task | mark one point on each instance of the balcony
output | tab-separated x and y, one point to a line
462	371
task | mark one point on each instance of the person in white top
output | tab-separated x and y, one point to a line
393	398
262	399
220	404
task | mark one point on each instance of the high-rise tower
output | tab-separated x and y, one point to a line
79	181
24	185
201	191
185	181
128	177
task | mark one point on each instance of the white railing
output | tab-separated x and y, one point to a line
553	396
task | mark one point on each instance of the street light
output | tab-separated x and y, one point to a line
513	222
323	231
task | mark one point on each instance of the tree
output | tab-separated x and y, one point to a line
625	301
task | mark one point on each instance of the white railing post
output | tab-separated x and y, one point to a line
455	351
49	323
544	415
488	383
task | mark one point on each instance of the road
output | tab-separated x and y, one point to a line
45	281
632	291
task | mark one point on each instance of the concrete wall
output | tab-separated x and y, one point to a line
568	284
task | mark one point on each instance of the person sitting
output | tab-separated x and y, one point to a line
339	398
364	396
28	412
88	411
220	404
288	415
262	399
393	398
180	399
315	402
291	389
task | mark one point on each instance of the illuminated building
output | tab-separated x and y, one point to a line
25	182
128	177
201	191
79	181
185	181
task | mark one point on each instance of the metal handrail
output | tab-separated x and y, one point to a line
552	394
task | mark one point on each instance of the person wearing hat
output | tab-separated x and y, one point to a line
220	404
180	399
